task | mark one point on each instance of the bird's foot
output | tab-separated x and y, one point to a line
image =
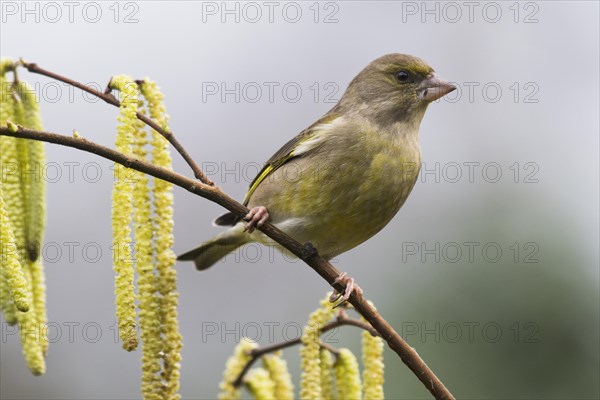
256	218
350	287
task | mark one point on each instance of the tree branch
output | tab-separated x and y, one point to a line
307	252
341	320
110	99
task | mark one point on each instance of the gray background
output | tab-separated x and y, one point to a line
489	329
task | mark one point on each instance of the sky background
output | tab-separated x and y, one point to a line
490	270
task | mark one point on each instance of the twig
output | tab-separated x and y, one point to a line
307	252
261	351
110	99
329	348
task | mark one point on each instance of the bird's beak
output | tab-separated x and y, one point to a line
434	87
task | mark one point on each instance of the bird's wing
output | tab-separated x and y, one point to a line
300	145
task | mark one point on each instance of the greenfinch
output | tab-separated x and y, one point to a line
342	179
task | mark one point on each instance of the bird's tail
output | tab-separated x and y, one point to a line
208	253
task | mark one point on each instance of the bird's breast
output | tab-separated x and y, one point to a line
343	193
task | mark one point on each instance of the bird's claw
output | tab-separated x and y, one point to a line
350	286
256	218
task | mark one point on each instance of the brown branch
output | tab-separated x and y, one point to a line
110	99
307	252
341	320
329	348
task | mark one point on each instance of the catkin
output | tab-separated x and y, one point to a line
13	276
279	374
36	187
372	355
152	387
234	366
163	244
347	376
19	192
310	382
327	384
14	288
122	197
261	386
35	195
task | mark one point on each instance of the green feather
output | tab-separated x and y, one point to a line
286	152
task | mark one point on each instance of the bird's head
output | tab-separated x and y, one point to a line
395	88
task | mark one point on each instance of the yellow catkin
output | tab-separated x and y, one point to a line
372	355
35	195
310	382
9	168
6	64
38	288
327	385
347	376
19	217
31	340
36	201
260	385
24	194
12	271
121	215
278	371
234	366
15	188
163	242
11	190
152	387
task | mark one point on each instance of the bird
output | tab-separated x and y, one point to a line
342	179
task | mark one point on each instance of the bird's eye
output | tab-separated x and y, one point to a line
402	76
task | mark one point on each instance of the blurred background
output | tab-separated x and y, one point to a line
491	268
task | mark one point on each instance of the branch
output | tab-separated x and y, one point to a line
341	320
110	99
307	252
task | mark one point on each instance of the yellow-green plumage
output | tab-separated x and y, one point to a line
342	179
344	191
